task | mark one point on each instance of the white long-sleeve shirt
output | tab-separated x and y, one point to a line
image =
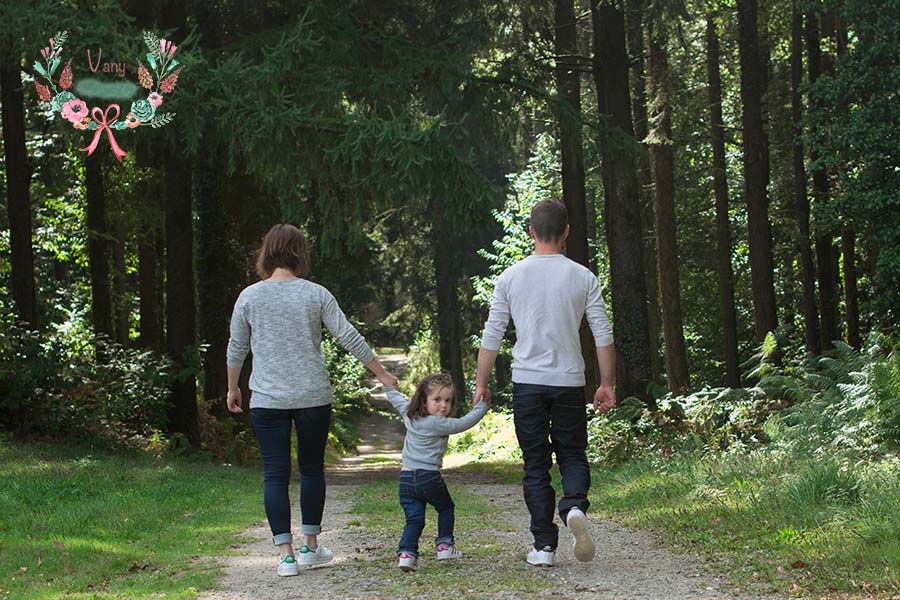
547	295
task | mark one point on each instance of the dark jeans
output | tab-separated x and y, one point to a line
551	419
418	488
273	430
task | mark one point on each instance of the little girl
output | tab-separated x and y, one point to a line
428	426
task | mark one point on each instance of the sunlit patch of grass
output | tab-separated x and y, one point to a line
84	525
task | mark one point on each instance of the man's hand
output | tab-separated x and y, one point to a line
234	401
604	399
482	394
388	380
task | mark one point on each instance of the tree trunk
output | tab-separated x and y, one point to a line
639	110
446	277
723	224
801	201
18	205
622	207
98	243
756	169
180	310
569	118
121	308
851	291
664	178
148	288
825	251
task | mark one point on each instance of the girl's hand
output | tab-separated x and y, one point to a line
234	401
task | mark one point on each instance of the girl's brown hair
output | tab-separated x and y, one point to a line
284	246
418	403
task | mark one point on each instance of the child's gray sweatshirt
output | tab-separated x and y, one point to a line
426	437
281	321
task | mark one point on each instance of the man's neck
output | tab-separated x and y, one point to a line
547	248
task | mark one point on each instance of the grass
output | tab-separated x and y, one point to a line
805	526
81	525
378	511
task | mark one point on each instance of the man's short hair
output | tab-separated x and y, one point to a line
549	219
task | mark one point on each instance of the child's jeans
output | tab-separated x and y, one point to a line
273	431
551	419
417	489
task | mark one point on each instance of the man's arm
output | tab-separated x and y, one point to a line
494	330
605	396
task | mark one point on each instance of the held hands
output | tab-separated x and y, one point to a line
604	399
482	394
234	401
388	380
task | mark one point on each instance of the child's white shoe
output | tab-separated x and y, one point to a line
288	566
445	551
408	562
545	557
577	523
319	556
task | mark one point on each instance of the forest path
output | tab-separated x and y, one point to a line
630	564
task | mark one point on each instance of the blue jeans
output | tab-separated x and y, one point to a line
273	431
418	488
551	419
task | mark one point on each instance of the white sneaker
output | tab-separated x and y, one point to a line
544	557
578	525
288	566
408	562
445	551
319	556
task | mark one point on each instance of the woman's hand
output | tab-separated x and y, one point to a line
234	401
388	380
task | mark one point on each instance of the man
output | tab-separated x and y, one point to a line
547	295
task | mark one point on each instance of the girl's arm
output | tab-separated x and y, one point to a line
446	426
397	400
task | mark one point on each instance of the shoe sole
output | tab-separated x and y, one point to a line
584	545
452	556
406	569
317	562
539	564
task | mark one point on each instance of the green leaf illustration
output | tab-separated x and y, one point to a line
40	69
152	60
162	119
53	64
152	41
171	65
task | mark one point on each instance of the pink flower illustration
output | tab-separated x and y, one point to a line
74	111
155	99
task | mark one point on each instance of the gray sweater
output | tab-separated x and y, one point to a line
547	295
426	437
281	322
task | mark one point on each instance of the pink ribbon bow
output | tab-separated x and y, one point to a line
101	118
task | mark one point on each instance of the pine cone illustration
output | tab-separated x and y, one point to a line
144	77
65	80
168	84
43	92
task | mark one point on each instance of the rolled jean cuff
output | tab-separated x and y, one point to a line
310	529
447	539
283	538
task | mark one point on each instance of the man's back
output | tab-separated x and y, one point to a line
547	295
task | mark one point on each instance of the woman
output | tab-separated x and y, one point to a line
280	319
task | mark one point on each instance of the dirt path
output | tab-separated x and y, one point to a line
629	565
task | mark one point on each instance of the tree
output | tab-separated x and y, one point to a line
622	211
18	179
801	201
98	243
720	189
756	171
660	140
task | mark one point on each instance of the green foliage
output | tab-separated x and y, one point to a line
54	384
423	359
493	439
348	383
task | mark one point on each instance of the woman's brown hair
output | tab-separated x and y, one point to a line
284	246
418	404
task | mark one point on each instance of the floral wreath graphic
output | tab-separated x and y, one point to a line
142	112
